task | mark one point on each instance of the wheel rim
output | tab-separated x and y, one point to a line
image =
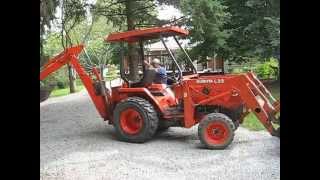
217	133
131	121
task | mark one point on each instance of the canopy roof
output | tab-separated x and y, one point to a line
146	34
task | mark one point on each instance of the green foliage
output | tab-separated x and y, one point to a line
64	91
251	122
255	27
112	72
268	69
107	15
141	13
97	49
52	45
264	70
61	85
60	76
237	30
74	10
206	21
128	15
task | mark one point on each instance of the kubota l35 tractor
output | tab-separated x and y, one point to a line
217	101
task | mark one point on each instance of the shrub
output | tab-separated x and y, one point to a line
61	84
269	69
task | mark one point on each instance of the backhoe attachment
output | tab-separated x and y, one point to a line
93	82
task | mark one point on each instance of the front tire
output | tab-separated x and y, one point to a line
135	120
234	115
216	131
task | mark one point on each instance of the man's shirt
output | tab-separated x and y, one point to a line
161	76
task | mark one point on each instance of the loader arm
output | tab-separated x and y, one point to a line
70	56
259	100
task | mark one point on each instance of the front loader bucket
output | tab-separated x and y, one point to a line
262	103
273	107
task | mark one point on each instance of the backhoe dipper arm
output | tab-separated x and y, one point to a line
70	56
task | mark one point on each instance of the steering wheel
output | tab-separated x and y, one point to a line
173	78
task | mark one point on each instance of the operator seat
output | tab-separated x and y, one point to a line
149	77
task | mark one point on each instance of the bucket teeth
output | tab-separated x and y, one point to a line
277	132
276	120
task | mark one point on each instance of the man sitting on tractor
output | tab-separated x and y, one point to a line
161	74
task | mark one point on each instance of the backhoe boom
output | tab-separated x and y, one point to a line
70	56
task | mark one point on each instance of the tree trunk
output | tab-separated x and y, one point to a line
133	61
72	82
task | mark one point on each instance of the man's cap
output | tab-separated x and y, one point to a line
155	61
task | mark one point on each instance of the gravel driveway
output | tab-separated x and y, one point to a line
75	143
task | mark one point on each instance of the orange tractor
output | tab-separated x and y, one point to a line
217	101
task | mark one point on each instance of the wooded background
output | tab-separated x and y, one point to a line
239	31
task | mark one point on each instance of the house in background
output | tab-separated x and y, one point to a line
157	50
215	64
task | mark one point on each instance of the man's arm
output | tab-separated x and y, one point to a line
147	65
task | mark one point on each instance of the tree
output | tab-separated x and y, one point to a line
47	15
90	32
93	34
136	14
255	28
71	10
206	20
237	30
72	13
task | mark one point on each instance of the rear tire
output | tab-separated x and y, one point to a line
135	120
216	131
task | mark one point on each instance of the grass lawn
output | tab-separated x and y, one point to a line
80	86
251	122
63	92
